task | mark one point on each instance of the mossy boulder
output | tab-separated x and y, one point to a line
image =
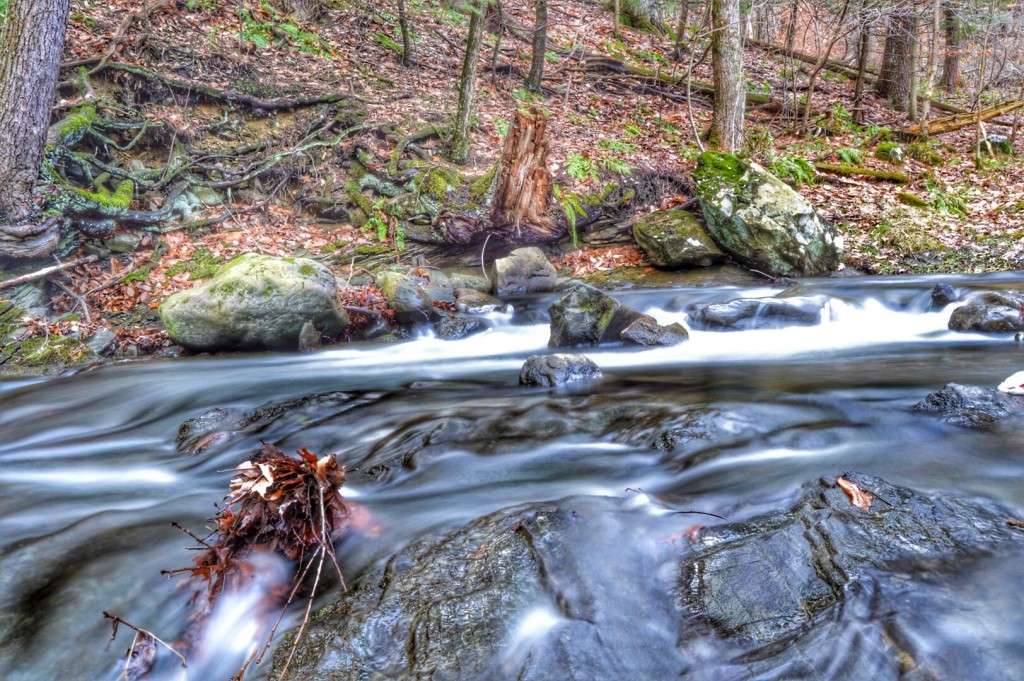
586	316
761	221
255	302
410	302
675	238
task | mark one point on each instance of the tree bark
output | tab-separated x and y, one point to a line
540	47
519	212
32	39
863	53
894	81
727	69
459	147
953	28
403	25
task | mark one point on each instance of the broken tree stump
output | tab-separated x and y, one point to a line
519	212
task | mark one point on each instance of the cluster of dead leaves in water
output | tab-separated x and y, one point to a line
278	503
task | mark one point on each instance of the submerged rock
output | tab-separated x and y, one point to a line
752	313
990	311
454	328
644	330
784	584
583	589
524	270
761	221
971	406
587	316
471	301
255	302
552	370
675	238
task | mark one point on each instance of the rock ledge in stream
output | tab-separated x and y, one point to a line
586	316
971	406
788	593
991	312
552	370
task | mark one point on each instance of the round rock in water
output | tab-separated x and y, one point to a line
552	370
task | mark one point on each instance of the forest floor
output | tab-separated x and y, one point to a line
969	217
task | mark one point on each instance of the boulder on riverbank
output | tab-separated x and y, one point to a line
990	312
675	238
523	271
761	221
255	302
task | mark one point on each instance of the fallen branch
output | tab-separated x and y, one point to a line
46	272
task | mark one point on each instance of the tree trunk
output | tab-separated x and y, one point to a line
727	68
519	212
933	64
863	53
894	81
459	146
32	39
403	24
915	57
682	30
540	43
953	27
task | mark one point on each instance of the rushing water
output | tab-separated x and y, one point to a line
92	476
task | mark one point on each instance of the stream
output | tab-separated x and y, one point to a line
93	477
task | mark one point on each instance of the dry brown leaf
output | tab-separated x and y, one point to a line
858	497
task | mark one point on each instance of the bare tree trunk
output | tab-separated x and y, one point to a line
915	61
520	208
953	27
727	69
794	12
933	64
540	43
32	39
682	29
863	53
616	30
403	24
894	81
459	145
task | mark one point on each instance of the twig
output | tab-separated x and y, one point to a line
79	300
113	634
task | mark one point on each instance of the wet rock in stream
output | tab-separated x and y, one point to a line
558	369
972	406
990	312
756	313
583	589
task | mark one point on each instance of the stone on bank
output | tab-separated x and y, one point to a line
761	221
255	302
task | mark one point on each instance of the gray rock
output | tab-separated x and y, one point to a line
524	270
101	340
751	313
675	238
1000	145
586	316
782	585
646	331
475	282
406	297
471	301
255	302
553	370
942	295
972	406
990	311
123	242
454	328
761	221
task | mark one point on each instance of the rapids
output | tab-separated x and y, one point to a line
92	476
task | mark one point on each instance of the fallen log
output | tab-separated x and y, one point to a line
867	173
962	120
